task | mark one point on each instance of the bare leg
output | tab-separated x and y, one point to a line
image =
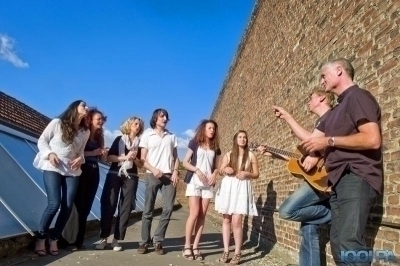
226	231
194	209
226	234
237	232
200	221
200	226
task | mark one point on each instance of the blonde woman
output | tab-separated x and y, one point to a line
122	179
235	196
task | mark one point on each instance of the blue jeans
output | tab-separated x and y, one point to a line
351	202
60	191
310	208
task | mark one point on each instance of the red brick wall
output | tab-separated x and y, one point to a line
278	62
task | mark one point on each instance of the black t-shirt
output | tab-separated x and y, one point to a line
114	150
355	104
321	119
91	146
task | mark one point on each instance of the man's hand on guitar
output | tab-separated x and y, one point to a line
262	150
315	144
309	163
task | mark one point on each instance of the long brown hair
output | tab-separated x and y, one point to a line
234	157
67	119
99	134
200	135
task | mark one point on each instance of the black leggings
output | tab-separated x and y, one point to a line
87	188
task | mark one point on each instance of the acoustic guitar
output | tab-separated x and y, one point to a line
317	177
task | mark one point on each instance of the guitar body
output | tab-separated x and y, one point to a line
316	177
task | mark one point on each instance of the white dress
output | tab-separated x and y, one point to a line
235	196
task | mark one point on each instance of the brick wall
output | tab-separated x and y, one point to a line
278	62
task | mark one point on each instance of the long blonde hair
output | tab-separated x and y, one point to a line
234	156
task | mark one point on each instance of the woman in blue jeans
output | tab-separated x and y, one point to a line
61	153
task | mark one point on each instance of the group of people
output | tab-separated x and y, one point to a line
70	149
346	135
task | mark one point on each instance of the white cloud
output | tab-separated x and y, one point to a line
190	133
109	136
182	143
8	53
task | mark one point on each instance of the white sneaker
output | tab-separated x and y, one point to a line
115	245
102	244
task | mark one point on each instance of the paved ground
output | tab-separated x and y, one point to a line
211	248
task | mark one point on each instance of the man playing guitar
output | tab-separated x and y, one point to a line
307	205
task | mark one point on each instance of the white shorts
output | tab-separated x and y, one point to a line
205	193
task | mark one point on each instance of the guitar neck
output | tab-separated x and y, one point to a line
282	152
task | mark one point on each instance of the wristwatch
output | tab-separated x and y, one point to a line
331	141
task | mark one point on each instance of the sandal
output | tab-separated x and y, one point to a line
40	247
187	256
224	257
198	255
236	259
53	249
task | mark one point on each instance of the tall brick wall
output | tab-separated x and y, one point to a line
278	62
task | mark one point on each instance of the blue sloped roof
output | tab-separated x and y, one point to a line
22	192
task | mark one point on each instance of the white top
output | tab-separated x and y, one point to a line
51	142
160	150
204	162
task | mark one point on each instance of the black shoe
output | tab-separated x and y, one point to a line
158	249
143	248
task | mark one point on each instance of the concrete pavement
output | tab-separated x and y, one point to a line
211	247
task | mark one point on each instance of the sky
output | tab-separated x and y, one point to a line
127	58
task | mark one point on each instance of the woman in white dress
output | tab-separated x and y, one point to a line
235	196
201	162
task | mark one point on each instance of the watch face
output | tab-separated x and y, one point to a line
330	142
